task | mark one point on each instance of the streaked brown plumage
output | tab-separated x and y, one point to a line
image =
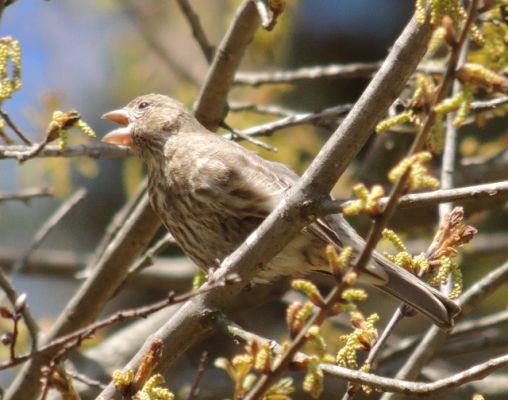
211	193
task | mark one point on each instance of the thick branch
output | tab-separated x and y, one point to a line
212	97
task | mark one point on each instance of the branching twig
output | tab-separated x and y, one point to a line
149	255
6	117
493	191
234	134
384	384
30	322
327	118
73	340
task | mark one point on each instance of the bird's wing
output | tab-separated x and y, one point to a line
269	181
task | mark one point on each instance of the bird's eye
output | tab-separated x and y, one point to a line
143	104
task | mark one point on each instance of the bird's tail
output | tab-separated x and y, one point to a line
415	293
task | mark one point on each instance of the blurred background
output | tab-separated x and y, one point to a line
96	56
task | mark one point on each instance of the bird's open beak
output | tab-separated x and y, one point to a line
121	136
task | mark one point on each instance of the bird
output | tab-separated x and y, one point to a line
211	193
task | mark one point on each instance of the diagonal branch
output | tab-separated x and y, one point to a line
210	106
197	29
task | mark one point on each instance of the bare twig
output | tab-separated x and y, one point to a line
86	380
489	104
12	295
493	191
95	150
74	339
148	257
261	109
35	150
474	325
194	389
116	222
334	71
27	194
327	118
13	126
47	227
448	160
146	31
197	29
86	304
242	136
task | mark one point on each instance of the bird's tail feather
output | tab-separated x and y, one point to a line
417	294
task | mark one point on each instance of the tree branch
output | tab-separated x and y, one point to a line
209	108
333	71
94	150
27	194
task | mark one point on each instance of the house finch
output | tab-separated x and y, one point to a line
211	193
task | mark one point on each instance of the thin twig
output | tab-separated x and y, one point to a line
146	31
478	324
48	226
488	191
75	339
194	389
240	135
14	127
197	30
327	118
334	71
448	160
35	150
269	109
384	384
374	352
86	380
30	322
27	194
148	257
489	104
94	150
116	222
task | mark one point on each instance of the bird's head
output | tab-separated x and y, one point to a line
147	122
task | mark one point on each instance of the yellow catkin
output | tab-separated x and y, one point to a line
398	119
